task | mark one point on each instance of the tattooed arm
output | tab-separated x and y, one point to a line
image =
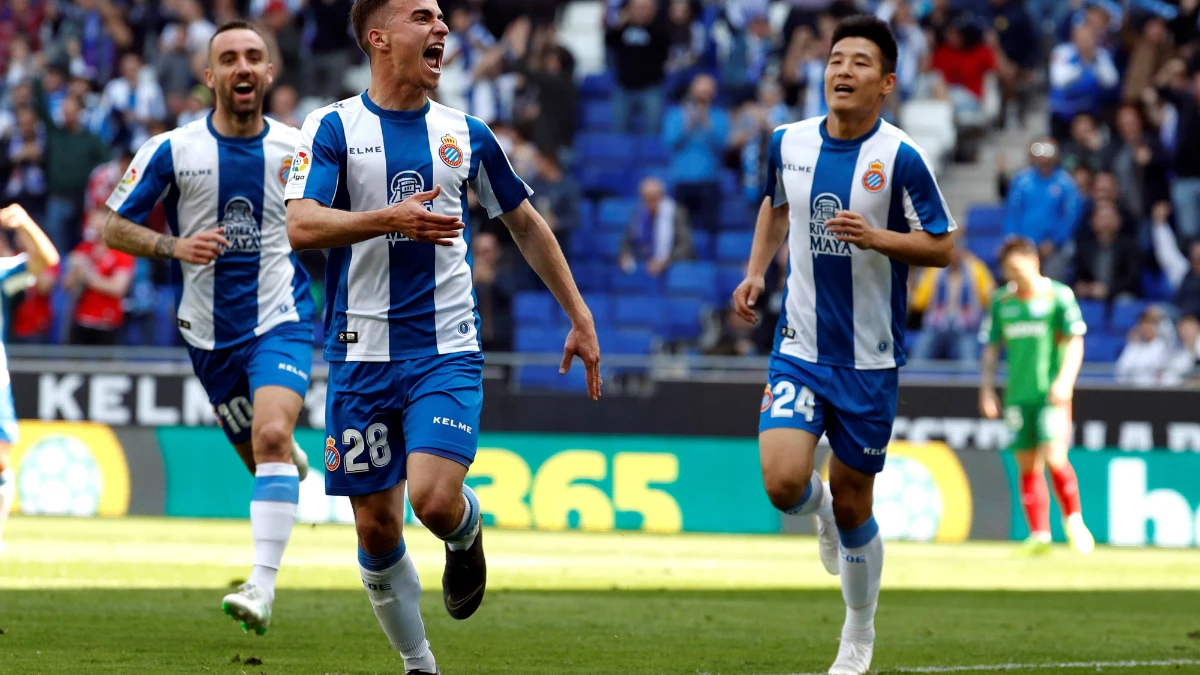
125	235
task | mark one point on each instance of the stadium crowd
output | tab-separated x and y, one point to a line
650	171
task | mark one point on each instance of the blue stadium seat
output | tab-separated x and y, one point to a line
692	277
985	246
1102	347
548	378
638	311
683	318
652	151
582	246
166	330
608	245
729	275
535	308
985	220
592	277
1156	287
729	185
538	340
615	213
911	338
736	215
612	148
602	180
636	283
1125	315
631	341
1093	314
599	86
703	244
597	116
734	246
601	305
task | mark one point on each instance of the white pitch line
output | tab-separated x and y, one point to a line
1000	667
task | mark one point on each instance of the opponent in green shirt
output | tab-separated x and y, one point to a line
1038	322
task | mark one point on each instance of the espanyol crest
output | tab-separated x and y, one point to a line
450	153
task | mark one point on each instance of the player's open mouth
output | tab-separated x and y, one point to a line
433	57
843	89
243	88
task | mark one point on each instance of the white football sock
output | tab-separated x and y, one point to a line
464	535
816	501
272	516
395	593
8	490
861	567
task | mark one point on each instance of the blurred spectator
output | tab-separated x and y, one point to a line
1182	272
102	277
1086	145
556	196
749	51
1183	365
952	302
696	133
1138	161
135	98
1043	205
91	32
1107	265
639	43
471	67
101	183
1185	188
659	234
71	154
963	60
25	153
494	290
282	105
33	316
803	66
1081	76
21	29
198	106
751	139
550	92
692	46
1149	50
913	53
1016	32
285	45
1145	361
735	337
186	35
332	49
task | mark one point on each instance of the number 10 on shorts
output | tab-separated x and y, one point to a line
784	401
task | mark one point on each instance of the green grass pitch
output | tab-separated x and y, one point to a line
139	596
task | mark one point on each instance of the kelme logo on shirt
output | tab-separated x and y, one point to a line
824	207
450	153
241	229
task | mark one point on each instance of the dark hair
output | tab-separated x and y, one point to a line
235	24
868	27
1017	244
361	13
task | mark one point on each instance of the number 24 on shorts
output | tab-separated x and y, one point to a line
784	401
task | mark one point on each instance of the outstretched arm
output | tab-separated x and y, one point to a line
37	245
541	249
123	234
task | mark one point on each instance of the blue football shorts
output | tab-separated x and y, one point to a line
8	416
854	408
281	357
378	413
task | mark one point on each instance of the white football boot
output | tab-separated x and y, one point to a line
300	459
250	606
1078	534
854	658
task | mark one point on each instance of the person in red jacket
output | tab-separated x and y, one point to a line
102	277
964	59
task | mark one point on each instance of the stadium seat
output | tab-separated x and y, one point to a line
986	247
1102	348
538	340
638	311
582	245
736	215
548	378
1093	314
631	341
606	147
615	213
597	116
652	151
692	277
734	246
1125	315
729	275
985	220
598	86
637	283
702	244
602	180
608	245
1156	287
683	318
592	277
601	305
534	308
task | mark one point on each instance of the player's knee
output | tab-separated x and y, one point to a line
852	504
272	442
378	530
439	507
783	489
